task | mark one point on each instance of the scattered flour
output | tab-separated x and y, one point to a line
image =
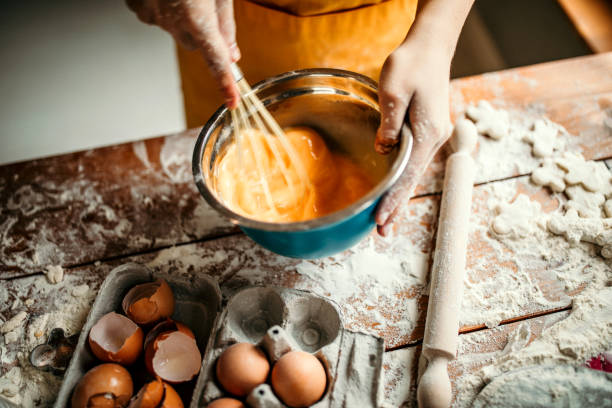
55	306
14	322
140	150
520	227
175	157
400	365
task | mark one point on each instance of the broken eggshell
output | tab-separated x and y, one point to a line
149	396
115	338
104	385
156	394
149	302
171	352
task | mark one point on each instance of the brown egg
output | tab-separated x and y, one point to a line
171	352
299	379
115	338
226	403
149	302
104	385
242	367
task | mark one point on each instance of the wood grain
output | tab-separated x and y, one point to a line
103	203
82	207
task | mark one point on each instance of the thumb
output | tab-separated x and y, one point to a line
393	108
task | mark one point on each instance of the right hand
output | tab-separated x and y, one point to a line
207	25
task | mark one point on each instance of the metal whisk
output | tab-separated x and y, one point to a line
251	114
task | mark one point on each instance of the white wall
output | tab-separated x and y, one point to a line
79	74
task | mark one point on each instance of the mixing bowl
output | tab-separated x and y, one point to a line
343	107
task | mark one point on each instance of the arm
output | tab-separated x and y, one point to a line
414	84
207	25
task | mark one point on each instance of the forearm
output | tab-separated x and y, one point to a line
438	24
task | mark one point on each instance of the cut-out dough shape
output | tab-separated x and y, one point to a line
594	176
594	230
516	218
586	203
542	138
489	121
549	174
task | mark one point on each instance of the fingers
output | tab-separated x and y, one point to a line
393	101
203	25
199	25
227	26
430	130
388	208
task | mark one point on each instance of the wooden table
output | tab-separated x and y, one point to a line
90	211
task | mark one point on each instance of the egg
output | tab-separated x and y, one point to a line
242	367
171	352
299	379
150	302
156	394
115	338
226	403
104	385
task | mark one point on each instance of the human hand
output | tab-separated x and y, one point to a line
414	85
207	25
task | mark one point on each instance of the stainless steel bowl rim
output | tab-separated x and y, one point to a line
396	170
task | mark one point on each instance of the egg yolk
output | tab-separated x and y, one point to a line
296	179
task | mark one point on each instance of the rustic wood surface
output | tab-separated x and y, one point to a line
93	210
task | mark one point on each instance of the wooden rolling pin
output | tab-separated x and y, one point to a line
442	324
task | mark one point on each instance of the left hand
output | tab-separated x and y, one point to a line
414	85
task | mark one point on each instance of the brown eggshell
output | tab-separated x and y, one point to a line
242	367
115	338
149	302
299	379
104	385
171	398
226	403
167	326
172	353
149	396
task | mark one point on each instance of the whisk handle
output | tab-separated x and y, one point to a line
236	72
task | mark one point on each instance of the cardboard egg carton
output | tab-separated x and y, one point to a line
276	319
280	320
197	304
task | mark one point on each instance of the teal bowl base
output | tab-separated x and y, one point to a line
318	242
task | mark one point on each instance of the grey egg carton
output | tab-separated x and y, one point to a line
197	304
280	320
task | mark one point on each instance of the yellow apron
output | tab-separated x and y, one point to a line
296	35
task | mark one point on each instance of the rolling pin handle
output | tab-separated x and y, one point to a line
464	136
434	390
